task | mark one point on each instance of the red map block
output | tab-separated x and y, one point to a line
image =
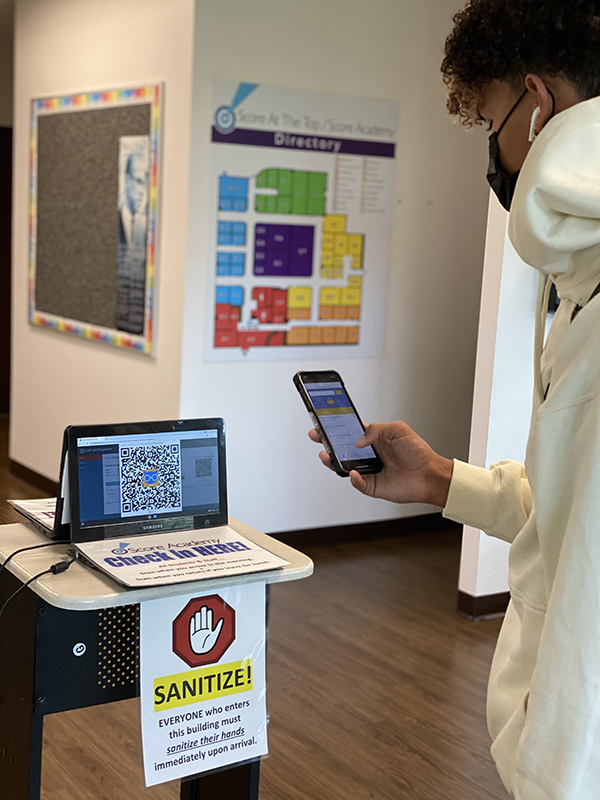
265	315
264	296
223	310
276	339
226	338
225	325
247	339
279	318
279	300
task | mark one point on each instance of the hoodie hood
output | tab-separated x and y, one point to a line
555	215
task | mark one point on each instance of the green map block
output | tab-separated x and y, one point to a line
261	179
318	182
285	205
316	194
299	199
297	192
286	177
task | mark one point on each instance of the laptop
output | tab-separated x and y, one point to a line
147	503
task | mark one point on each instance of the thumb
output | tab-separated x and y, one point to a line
217	630
358	481
368	437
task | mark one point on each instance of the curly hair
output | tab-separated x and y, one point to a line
506	39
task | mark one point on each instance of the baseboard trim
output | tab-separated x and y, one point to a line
366	531
34	478
484	606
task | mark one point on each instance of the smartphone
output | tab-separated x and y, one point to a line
335	417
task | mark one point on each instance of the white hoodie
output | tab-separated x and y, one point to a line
544	690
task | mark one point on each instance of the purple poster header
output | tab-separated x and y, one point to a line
293	141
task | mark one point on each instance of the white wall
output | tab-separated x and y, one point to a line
379	48
65	46
6	63
503	389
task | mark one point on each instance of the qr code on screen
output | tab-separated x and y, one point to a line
150	479
204	467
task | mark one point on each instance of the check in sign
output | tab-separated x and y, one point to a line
202	661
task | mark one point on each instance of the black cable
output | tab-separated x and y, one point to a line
32	547
55	569
20	589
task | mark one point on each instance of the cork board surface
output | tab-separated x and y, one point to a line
77	210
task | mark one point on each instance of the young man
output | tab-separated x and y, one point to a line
531	70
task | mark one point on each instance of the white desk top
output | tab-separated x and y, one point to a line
81	588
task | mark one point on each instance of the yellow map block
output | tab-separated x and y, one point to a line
355	244
330	296
334	223
338	244
351	297
299	297
341	244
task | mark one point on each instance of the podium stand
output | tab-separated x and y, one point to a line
72	640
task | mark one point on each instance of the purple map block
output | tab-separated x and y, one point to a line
278	237
277	264
283	250
302	250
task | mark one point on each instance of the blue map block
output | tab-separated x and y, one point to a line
223	294
233	193
236	295
231	263
231	233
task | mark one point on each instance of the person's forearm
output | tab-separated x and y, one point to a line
438	483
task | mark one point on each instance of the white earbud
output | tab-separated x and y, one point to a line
534	116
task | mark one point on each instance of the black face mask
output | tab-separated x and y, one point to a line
503	185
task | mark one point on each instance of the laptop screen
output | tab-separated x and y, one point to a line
147	481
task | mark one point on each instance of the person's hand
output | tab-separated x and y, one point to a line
412	472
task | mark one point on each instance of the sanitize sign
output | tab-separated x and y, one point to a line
202	682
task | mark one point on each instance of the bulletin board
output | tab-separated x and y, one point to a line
93	208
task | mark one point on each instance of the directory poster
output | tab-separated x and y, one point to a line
300	223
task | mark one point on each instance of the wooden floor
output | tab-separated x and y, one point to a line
376	686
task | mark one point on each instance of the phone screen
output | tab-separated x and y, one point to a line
339	420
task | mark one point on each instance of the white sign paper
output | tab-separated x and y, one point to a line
203	685
180	556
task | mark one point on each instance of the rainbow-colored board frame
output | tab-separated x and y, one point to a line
85	101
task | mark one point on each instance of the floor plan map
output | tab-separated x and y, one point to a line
300	222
